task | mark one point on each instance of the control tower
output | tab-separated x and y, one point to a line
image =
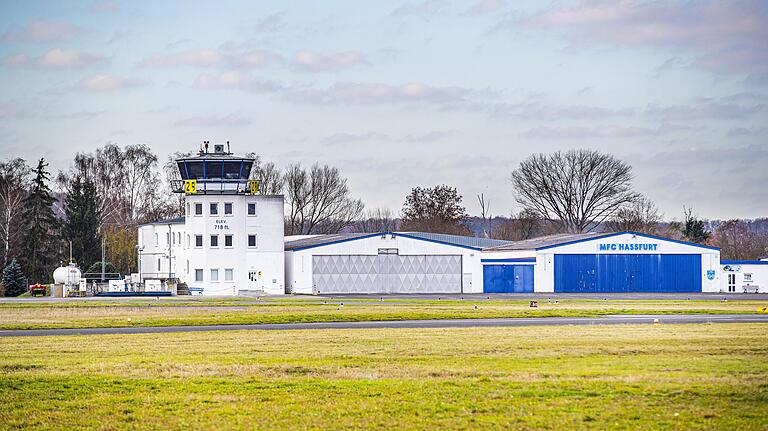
233	236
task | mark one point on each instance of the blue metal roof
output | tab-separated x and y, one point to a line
744	262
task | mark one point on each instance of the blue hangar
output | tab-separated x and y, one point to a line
413	262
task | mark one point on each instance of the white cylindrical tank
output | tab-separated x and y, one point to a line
67	275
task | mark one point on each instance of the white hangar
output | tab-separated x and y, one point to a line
412	262
601	262
386	262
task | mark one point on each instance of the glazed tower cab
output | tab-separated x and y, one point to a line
232	240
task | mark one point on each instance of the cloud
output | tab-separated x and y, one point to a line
42	32
378	93
325	62
544	112
704	109
67	58
486	6
230	120
103	6
212	58
424	9
103	83
744	131
16	60
352	138
609	132
235	80
270	23
724	36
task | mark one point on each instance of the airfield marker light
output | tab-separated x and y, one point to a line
655	321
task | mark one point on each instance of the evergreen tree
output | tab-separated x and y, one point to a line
13	279
41	251
83	220
694	228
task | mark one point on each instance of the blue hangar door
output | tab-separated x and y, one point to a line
627	273
507	278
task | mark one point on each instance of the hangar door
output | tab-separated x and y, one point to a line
627	273
386	273
507	278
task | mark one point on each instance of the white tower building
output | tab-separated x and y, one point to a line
231	239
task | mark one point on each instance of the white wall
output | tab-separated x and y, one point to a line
758	271
544	274
299	262
154	240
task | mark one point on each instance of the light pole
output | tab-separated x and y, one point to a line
139	249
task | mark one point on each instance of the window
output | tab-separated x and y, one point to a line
187	266
173	237
168	238
198	209
228	208
214	275
187	210
157	239
229	274
187	244
251	208
214	208
158	264
214	240
198	240
227	240
179	238
198	275
251	240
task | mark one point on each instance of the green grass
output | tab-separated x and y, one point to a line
174	312
605	377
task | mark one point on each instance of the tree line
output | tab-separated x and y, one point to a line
105	195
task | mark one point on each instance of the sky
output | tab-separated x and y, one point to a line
401	94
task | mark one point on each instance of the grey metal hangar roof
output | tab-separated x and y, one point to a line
551	241
454	240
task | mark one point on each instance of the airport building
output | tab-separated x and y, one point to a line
231	241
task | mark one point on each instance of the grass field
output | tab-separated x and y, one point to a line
175	311
605	377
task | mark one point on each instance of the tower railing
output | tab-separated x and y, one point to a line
217	186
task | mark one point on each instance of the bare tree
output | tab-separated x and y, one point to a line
318	200
171	171
485	213
271	180
525	225
640	215
579	189
14	178
740	239
376	220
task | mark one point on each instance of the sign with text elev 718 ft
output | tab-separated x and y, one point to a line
627	247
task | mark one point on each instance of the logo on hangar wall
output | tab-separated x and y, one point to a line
711	274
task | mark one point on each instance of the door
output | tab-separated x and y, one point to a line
628	273
386	273
507	278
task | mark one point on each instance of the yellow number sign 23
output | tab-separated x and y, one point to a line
190	187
